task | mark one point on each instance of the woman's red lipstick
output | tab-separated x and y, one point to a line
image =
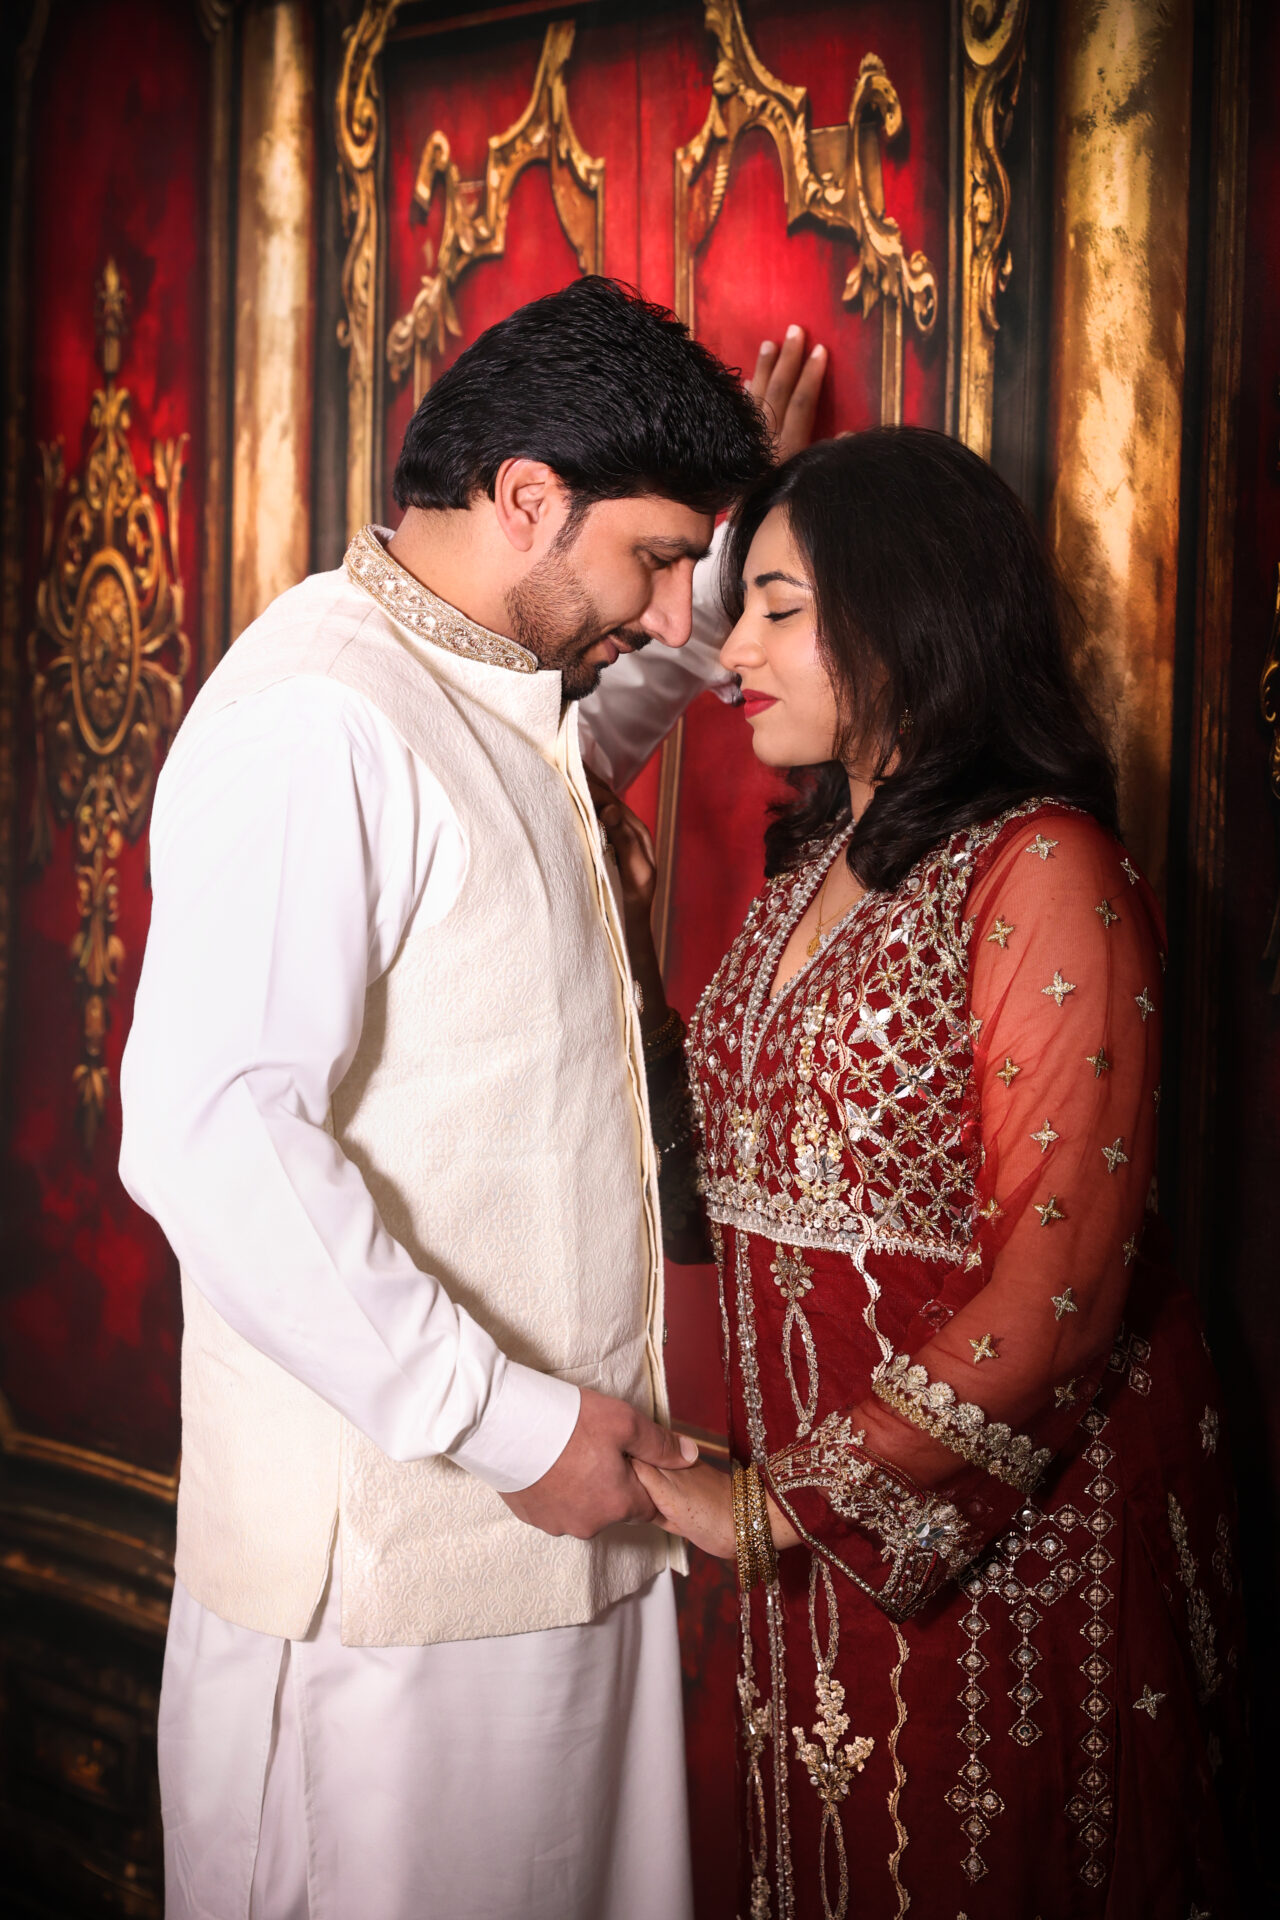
753	702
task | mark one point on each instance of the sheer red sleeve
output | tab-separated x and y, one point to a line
1065	966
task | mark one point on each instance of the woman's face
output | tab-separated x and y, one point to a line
790	702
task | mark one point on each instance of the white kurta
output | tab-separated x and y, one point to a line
537	1775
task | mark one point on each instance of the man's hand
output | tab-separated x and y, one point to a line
787	385
592	1485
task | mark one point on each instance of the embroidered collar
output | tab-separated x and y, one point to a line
424	613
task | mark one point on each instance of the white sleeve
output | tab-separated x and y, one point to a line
293	837
641	696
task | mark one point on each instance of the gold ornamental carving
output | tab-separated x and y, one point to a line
993	34
476	211
357	132
108	660
832	176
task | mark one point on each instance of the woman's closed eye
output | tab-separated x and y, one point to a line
784	613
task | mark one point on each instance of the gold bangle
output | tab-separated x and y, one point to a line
753	1534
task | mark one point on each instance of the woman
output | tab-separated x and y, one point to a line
979	1511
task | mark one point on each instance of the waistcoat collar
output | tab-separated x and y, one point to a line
496	672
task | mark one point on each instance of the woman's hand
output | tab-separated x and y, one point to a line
787	385
632	847
697	1504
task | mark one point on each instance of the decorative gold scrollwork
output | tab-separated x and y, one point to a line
476	211
108	660
831	175
994	38
1269	696
357	132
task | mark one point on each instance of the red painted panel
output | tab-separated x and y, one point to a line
89	1308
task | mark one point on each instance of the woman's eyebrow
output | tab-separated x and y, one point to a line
788	579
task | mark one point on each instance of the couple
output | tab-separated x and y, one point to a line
422	1660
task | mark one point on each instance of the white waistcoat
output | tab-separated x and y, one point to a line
496	1107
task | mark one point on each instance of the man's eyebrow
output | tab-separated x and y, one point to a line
787	579
675	547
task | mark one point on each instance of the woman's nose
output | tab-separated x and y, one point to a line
741	649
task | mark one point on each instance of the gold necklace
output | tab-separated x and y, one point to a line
816	941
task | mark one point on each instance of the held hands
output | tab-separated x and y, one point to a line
698	1505
595	1484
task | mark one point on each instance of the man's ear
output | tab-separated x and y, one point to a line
531	503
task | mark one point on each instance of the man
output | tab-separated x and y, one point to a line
385	1093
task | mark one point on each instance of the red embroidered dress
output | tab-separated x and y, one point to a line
995	1679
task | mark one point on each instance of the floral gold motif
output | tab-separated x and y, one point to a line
831	175
936	1408
476	211
108	660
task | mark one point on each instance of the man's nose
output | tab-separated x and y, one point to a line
669	615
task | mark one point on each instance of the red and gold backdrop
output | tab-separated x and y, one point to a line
243	236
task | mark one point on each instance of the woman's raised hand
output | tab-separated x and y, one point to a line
787	383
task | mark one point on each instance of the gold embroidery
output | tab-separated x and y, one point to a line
1149	1702
1209	1430
1063	1302
983	1349
975	1799
1058	988
1129	1355
1046	1136
1042	846
1129	871
757	1733
1115	1155
1145	1004
1000	933
1092	1803
794	1276
424	613
1008	1072
1065	1395
992	1210
1130	1248
831	1767
899	1775
1099	1062
1199	1621
1050	1213
1107	914
935	1407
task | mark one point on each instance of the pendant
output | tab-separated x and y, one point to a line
813	945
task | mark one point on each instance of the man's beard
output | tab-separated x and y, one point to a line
551	614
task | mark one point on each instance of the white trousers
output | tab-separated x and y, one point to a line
535	1777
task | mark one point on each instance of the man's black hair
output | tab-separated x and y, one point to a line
612	392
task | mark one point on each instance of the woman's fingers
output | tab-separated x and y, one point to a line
788	383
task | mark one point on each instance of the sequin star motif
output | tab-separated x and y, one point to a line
1099	1062
984	1349
1046	1136
1201	1913
1129	871
1209	1430
1148	1702
1042	846
1064	1302
1058	988
1008	1072
992	1210
1115	1155
1145	1004
1000	932
1130	1248
1050	1212
1106	913
1065	1395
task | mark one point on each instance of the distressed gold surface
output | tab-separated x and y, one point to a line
1122	175
271	474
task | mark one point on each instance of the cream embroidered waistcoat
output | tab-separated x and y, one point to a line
497	1109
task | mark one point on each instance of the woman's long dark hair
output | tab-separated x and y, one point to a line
935	599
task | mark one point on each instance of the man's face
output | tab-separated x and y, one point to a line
621	577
